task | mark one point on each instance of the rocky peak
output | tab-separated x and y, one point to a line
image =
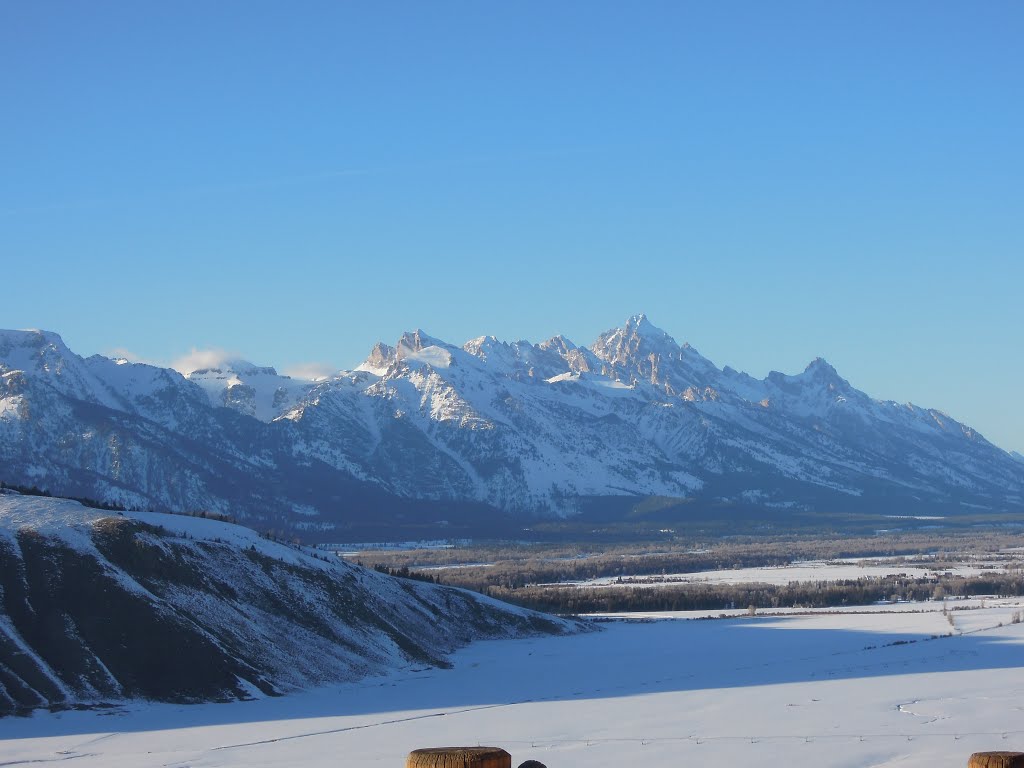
818	373
558	344
484	346
380	357
820	368
578	359
639	338
416	341
640	351
821	373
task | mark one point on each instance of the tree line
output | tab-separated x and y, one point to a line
702	597
512	566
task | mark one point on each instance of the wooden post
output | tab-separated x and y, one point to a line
459	757
996	760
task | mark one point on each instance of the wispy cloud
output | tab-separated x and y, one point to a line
311	371
198	359
120	353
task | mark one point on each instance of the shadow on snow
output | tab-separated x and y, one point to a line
627	659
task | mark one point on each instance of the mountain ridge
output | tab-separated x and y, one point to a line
527	429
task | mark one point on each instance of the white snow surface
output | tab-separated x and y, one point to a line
828	689
54	518
70	522
804	571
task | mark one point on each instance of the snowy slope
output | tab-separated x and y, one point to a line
534	429
257	391
99	606
846	689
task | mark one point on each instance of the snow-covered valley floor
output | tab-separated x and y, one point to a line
824	570
827	689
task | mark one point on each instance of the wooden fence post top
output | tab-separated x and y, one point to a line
459	757
996	760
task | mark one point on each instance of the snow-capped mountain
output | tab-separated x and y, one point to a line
640	352
100	606
253	390
535	429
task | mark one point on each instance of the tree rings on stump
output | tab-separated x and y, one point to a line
459	757
996	760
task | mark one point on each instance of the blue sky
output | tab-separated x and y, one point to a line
293	181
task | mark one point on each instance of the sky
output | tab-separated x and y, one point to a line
292	182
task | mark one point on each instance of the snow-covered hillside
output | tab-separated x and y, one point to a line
101	606
520	427
843	688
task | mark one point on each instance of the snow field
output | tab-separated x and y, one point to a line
827	689
840	570
973	612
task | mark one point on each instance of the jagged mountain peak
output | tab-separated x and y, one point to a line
821	372
417	348
819	366
637	334
486	340
637	339
641	351
482	346
510	356
558	343
411	347
643	325
417	341
379	358
578	359
818	371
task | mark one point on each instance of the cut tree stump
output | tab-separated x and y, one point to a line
996	760
459	757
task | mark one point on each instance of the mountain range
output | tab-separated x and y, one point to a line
425	430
